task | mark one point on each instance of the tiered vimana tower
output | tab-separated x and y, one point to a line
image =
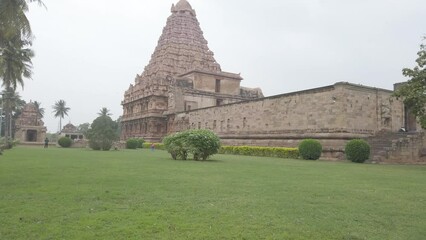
182	75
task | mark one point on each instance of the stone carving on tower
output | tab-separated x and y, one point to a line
182	75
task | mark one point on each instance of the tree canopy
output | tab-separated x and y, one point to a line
15	38
103	133
413	92
104	112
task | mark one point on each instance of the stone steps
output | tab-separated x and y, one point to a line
385	143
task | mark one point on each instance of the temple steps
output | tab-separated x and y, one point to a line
386	146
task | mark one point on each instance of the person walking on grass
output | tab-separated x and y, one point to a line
46	142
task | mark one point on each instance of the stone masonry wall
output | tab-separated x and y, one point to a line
411	149
332	114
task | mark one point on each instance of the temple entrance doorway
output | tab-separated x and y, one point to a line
31	136
410	120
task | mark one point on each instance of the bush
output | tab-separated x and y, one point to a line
200	143
310	149
280	152
141	141
357	150
132	143
176	145
94	145
65	142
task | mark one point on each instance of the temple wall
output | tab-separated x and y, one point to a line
333	114
207	82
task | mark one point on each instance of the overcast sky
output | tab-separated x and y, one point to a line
89	52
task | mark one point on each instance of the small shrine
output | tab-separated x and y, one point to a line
29	126
71	132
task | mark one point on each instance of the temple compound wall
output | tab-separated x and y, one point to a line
332	114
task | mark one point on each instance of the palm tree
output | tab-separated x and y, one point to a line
104	112
40	111
60	110
12	105
15	38
15	64
13	19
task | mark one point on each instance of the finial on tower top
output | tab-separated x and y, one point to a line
183	6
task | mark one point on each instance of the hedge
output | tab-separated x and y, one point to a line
280	152
159	146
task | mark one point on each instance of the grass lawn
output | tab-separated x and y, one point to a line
138	194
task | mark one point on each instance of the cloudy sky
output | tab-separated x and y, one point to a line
89	52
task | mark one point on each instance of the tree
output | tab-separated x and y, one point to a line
15	37
413	92
15	56
13	20
104	112
12	104
103	133
60	110
40	111
15	64
83	128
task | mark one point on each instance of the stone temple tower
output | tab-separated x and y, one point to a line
182	75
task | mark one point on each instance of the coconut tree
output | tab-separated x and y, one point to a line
12	104
40	111
15	64
104	112
13	19
60	110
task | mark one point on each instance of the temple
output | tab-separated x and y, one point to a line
182	75
30	128
183	87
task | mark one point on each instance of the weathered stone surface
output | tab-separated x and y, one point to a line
181	75
29	126
183	87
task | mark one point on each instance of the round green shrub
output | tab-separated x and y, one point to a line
141	141
65	142
310	149
132	143
357	150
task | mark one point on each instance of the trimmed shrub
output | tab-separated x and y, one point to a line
140	142
357	150
310	149
260	151
65	142
132	143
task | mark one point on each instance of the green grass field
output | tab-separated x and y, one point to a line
138	194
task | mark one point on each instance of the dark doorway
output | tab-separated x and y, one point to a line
410	120
31	136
